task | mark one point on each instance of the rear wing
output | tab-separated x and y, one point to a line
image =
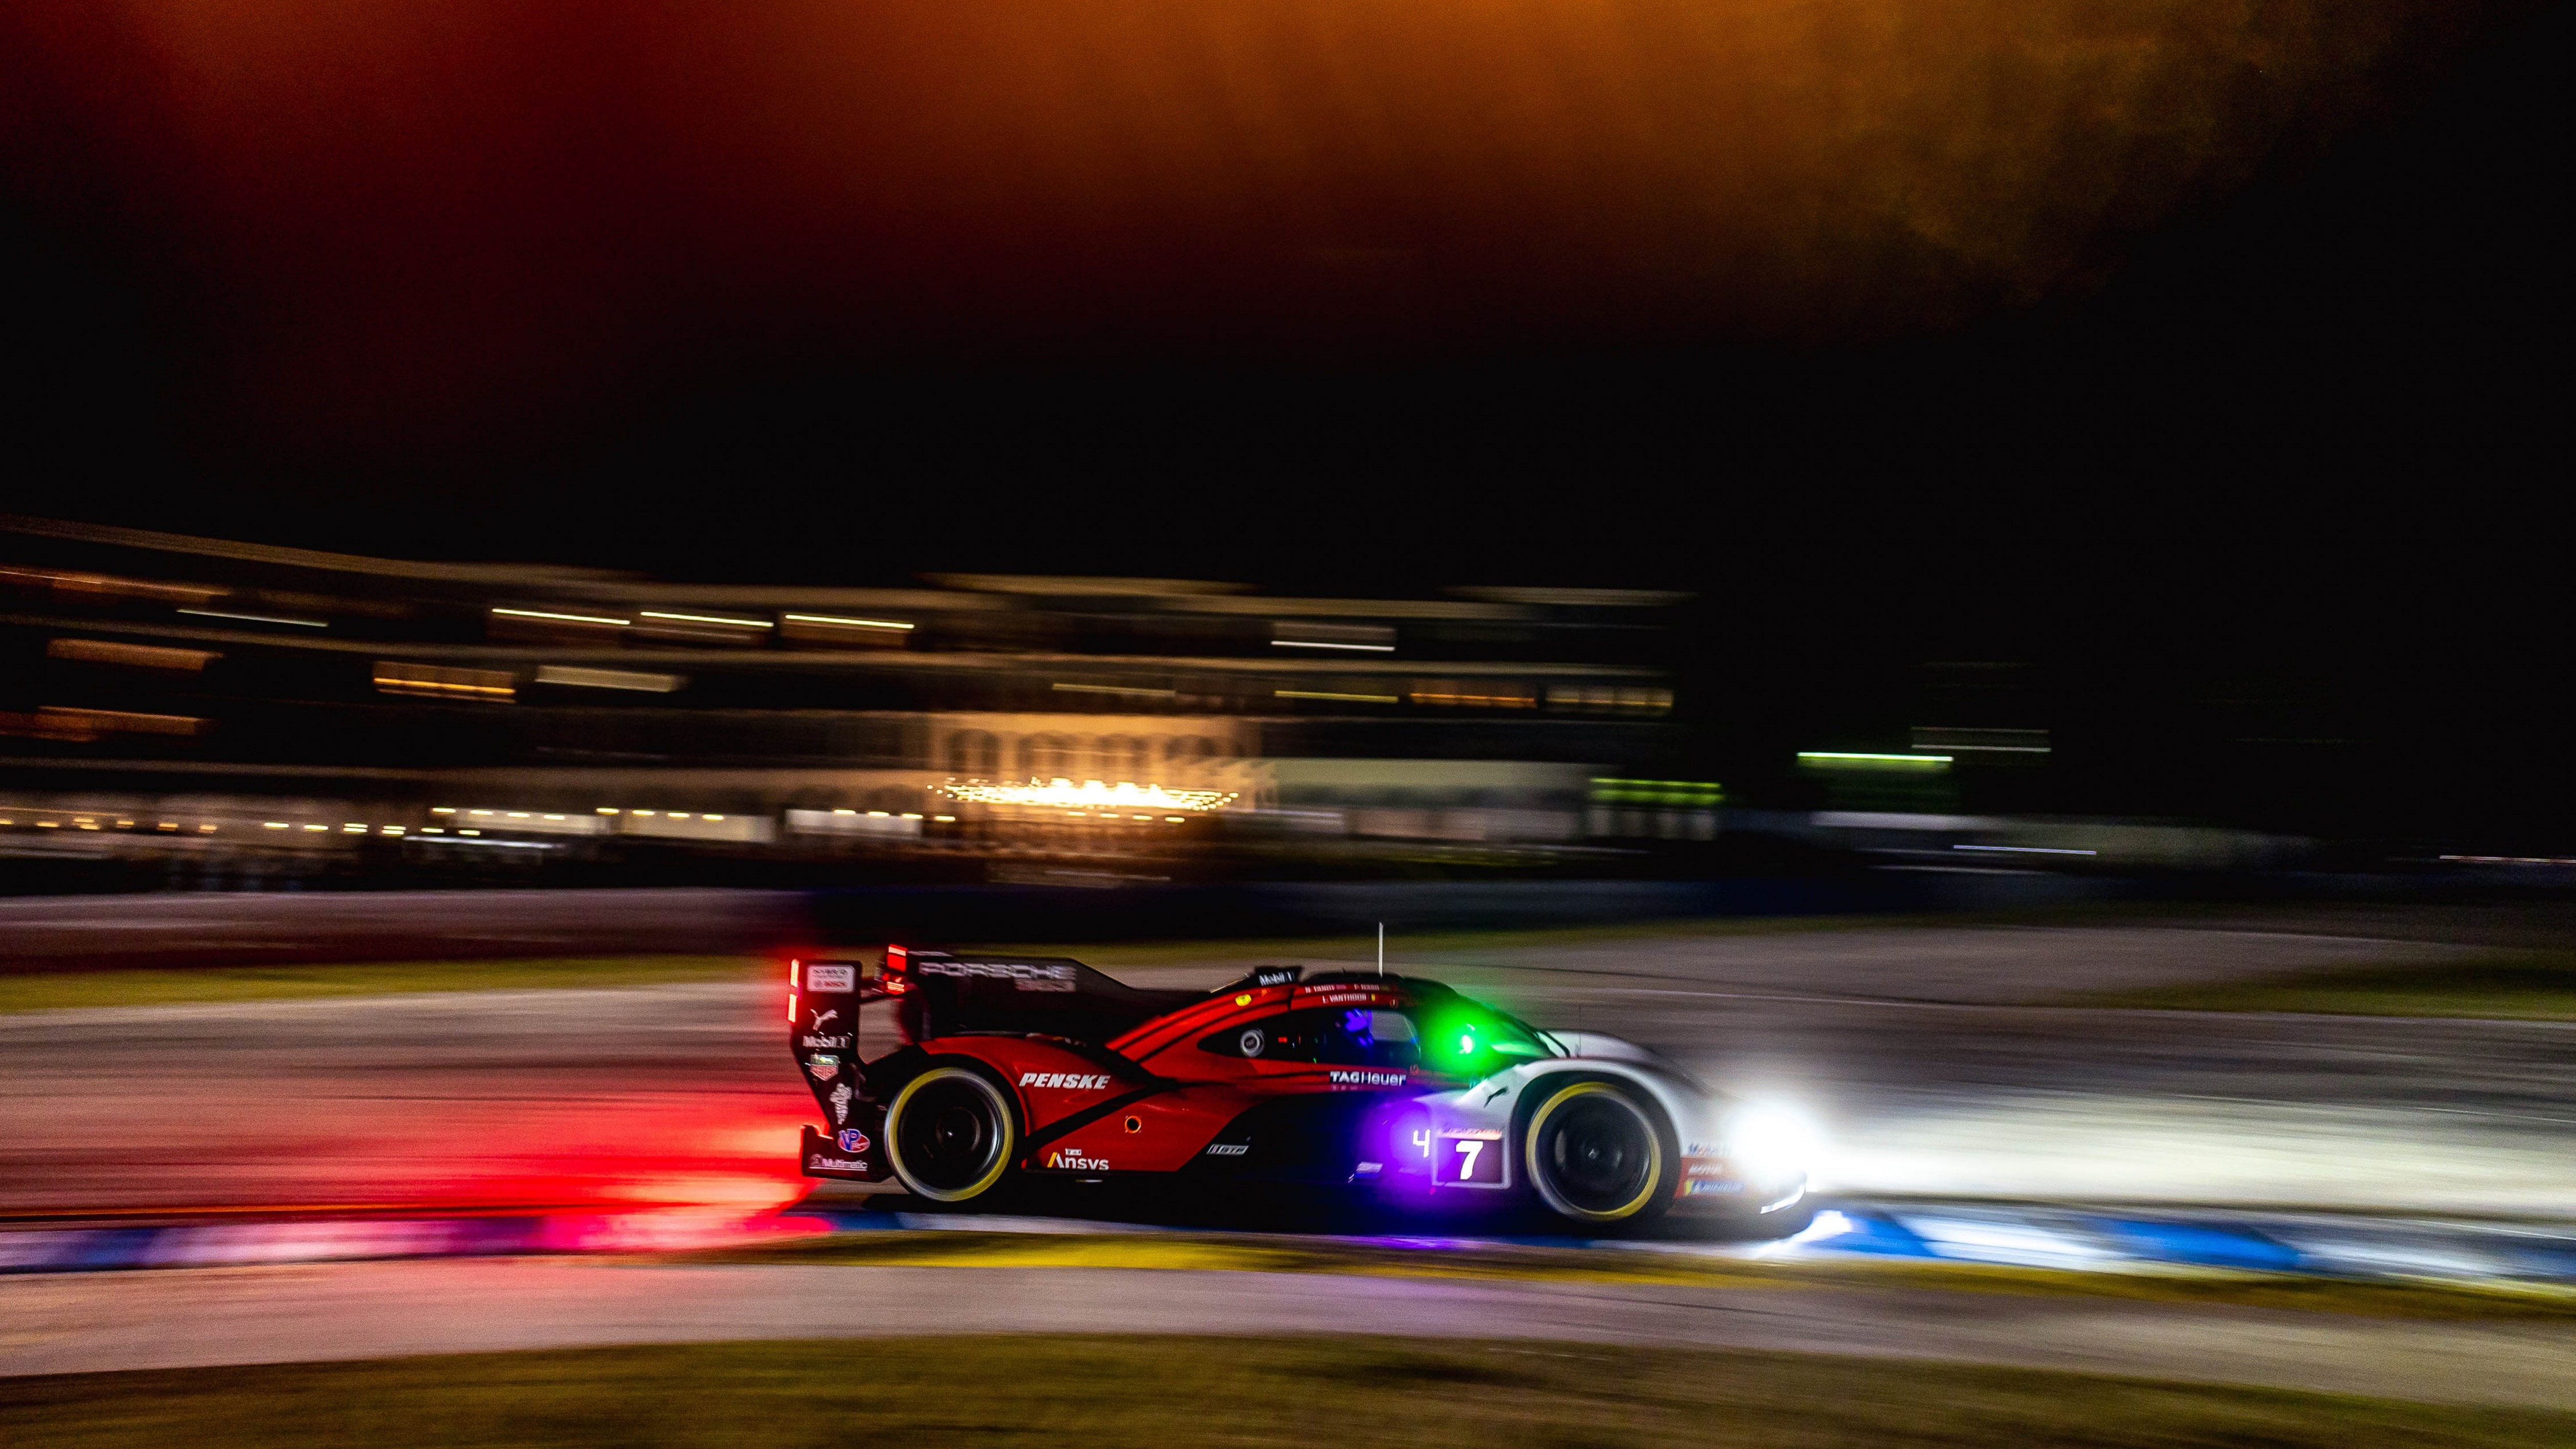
940	993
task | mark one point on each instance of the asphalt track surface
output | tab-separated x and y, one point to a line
349	1311
1915	1046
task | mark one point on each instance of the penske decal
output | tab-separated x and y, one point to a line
1066	1081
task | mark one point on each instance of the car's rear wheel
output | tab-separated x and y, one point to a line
950	1135
1597	1154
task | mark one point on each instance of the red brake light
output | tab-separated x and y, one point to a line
894	975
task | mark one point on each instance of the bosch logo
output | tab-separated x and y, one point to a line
1065	1081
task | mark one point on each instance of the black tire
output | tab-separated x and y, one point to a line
1597	1154
951	1135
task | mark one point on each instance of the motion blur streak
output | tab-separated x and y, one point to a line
431	209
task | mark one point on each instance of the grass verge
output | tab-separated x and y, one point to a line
1599	1265
2515	985
1089	1392
54	991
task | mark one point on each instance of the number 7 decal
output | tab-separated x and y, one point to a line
1477	1162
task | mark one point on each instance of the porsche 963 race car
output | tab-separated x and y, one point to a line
990	1067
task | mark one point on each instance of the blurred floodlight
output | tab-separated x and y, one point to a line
1091	794
259	618
576	676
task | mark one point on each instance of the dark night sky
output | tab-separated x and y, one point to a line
2136	341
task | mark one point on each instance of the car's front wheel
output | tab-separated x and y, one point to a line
950	1135
1597	1154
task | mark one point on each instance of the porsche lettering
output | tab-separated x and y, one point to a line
1027	976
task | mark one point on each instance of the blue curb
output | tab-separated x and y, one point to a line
2057	1238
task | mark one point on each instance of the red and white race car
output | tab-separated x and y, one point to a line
993	1066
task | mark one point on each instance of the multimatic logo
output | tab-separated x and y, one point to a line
1067	1081
817	1162
1368	1079
1024	975
1071	1158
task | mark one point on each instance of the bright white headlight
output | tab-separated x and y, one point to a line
1771	1140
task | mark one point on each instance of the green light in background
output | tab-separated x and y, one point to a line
1858	760
1683	793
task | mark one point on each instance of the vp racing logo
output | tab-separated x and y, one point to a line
1071	1158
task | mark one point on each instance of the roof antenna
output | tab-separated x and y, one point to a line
1381	950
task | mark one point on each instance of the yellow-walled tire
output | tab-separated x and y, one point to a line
1598	1154
951	1135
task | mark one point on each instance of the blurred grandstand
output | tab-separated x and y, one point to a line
195	713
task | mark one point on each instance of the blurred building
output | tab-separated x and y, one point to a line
195	711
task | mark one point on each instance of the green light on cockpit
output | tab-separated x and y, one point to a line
1466	1043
